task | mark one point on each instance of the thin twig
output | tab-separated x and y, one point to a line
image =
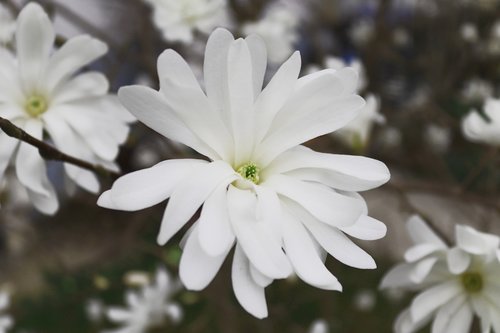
50	153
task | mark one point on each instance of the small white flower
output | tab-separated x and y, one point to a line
437	137
7	25
260	188
319	326
477	90
458	282
6	321
178	20
40	91
362	31
148	307
94	309
478	129
278	28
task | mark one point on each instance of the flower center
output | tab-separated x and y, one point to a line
36	105
472	282
250	171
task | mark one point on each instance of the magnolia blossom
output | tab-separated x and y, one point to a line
282	204
7	25
278	28
178	20
40	92
6	321
477	90
147	307
458	282
319	326
478	129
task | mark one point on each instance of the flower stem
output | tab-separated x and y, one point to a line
50	153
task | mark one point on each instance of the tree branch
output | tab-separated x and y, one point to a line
50	153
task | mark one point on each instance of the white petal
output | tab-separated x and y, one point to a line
337	244
197	269
475	242
326	118
214	228
71	57
241	99
90	84
45	203
320	201
430	300
118	314
255	237
422	269
366	228
215	67
420	251
67	141
301	250
274	96
30	166
258	52
150	107
148	187
405	324
8	145
420	232
35	39
343	172
447	313
259	278
398	277
190	194
250	295
458	260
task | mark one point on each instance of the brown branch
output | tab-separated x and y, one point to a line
50	153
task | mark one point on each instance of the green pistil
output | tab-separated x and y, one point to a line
36	105
472	282
250	171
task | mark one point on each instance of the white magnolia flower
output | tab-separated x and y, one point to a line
458	282
178	20
280	202
478	129
7	25
147	307
337	63
6	321
278	28
477	90
40	92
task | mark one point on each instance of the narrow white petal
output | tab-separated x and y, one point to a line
322	202
71	57
255	237
35	39
150	107
366	228
343	172
276	93
8	145
398	277
250	295
259	278
420	232
148	187
215	68
241	98
30	166
458	260
301	250
214	228
90	84
45	203
190	194
430	300
446	314
405	324
420	251
197	269
422	269
258	52
475	242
